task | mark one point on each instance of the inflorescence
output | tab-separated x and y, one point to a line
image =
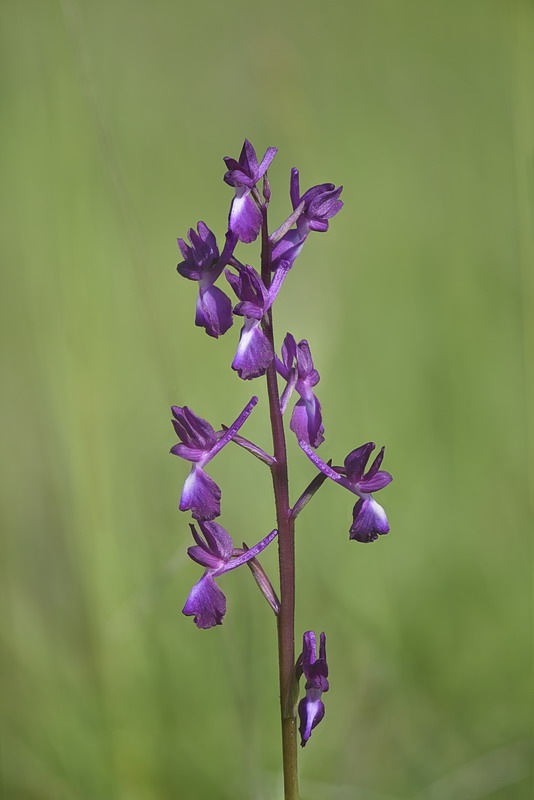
199	442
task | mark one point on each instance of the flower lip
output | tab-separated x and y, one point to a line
369	521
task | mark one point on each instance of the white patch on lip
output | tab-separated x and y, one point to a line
379	513
245	340
238	208
187	491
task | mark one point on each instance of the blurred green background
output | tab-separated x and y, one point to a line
416	304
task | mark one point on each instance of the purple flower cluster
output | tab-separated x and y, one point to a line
256	291
199	443
204	263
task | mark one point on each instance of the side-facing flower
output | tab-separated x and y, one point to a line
203	263
315	669
321	203
369	519
245	214
297	369
317	205
215	552
254	351
199	443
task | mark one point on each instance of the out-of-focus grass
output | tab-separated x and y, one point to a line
416	305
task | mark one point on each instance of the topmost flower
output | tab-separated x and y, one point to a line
245	214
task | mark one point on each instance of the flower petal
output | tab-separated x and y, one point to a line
245	216
203	557
187	453
356	461
304	360
194	431
375	466
254	352
213	311
205	603
376	482
311	712
289	351
200	495
306	421
294	187
218	540
265	162
369	521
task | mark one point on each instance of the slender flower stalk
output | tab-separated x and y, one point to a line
199	442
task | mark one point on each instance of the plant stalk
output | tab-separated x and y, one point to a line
286	550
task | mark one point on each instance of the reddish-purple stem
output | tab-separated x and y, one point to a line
286	550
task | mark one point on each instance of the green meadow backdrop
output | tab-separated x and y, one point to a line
418	308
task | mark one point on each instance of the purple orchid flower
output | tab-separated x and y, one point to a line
315	669
318	205
321	203
199	443
206	603
254	351
245	214
369	519
203	263
297	369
